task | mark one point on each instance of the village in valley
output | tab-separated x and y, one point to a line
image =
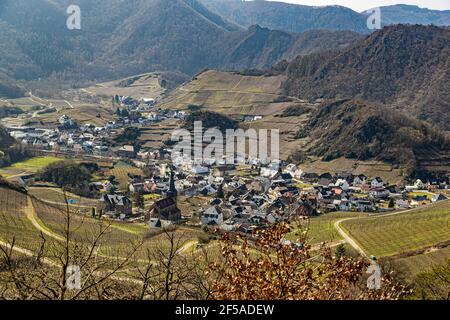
108	156
217	197
224	150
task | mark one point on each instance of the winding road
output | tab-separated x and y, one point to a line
352	242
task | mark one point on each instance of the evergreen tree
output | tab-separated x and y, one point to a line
340	251
391	203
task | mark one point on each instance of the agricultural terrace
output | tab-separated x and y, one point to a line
400	233
56	196
13	221
17	211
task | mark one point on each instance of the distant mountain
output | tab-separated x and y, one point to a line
408	14
406	67
35	41
317	41
126	37
261	47
288	17
362	130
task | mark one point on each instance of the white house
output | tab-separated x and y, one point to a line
419	184
438	197
402	204
212	216
343	184
268	172
359	180
65	120
295	171
377	183
251	118
363	206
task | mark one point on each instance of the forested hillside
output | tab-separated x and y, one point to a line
405	67
288	17
360	130
128	37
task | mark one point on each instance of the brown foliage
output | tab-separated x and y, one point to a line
273	269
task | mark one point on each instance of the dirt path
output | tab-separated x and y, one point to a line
185	247
68	194
353	243
23	173
39	224
50	262
31	214
348	239
69	104
333	244
27	253
55	203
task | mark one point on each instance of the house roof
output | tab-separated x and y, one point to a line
116	199
164	203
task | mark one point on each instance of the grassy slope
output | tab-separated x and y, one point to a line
321	228
426	261
386	236
13	222
117	241
29	166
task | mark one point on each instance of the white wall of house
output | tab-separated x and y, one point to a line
212	216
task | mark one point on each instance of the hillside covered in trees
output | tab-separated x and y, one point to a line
10	150
124	38
289	17
405	67
360	130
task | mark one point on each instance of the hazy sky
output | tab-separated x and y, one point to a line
361	5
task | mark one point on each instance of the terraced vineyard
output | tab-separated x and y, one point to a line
119	237
117	241
390	235
13	221
155	135
321	228
227	93
56	195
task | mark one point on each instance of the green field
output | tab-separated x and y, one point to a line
321	228
414	194
29	166
395	234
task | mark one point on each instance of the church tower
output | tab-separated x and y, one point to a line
172	190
